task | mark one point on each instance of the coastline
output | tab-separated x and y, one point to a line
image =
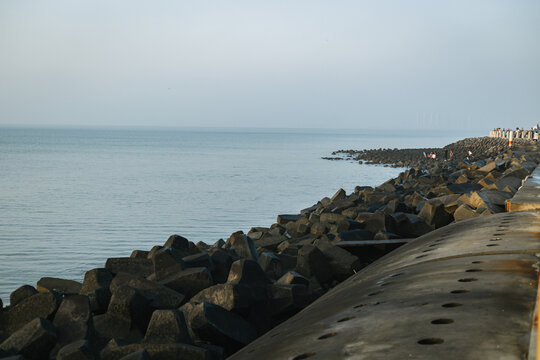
257	280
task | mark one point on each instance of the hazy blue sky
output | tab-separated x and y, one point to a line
337	64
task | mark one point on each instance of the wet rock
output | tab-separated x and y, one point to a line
190	281
21	293
312	262
166	262
33	341
61	286
215	324
77	350
158	296
167	326
135	266
39	305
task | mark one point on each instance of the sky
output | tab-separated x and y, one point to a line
377	64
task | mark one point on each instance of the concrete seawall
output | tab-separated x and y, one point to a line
465	291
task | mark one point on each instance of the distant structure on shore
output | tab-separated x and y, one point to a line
531	134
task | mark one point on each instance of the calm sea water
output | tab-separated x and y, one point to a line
71	198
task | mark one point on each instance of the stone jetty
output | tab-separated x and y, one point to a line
200	301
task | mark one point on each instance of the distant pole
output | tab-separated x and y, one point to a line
510	138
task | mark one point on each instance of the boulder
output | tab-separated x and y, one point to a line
73	320
33	341
166	262
434	214
190	281
355	235
230	296
463	188
216	325
271	265
201	259
21	293
373	222
43	304
286	218
130	308
61	286
135	266
242	245
139	254
96	286
222	261
77	350
464	212
158	296
339	195
248	272
312	262
342	263
490	166
269	241
291	278
284	300
297	229
167	326
512	182
178	243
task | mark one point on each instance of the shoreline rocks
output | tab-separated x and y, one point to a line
201	301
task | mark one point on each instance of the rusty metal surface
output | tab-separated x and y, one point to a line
464	300
528	196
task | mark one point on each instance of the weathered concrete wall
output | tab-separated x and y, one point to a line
464	291
528	196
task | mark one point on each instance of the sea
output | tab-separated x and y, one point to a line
72	197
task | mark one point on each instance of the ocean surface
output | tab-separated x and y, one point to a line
71	198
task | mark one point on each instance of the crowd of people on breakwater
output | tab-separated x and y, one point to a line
531	134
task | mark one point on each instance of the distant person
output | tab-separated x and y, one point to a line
445	154
451	154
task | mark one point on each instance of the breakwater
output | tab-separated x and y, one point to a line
200	301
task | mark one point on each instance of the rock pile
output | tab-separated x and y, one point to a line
483	147
200	301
